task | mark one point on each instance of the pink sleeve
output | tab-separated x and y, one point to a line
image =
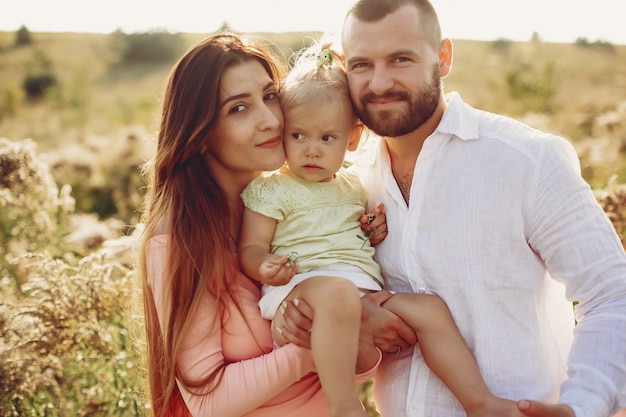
251	377
365	376
246	384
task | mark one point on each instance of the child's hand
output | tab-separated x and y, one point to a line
277	269
374	224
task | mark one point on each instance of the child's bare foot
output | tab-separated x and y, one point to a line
495	407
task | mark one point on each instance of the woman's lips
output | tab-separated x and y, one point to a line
271	143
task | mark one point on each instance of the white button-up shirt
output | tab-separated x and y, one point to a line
502	227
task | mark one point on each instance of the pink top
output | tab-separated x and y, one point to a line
254	384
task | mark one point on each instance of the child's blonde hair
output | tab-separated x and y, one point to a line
317	77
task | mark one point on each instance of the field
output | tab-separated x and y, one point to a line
70	189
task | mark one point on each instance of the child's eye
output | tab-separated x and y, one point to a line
328	138
297	136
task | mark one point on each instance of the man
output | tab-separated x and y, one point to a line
492	216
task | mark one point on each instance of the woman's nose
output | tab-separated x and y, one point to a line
269	118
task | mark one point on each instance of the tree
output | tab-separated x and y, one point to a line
23	36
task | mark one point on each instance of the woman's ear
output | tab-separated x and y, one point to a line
355	136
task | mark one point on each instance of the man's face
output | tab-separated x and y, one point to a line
393	72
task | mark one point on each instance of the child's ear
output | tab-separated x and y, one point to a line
355	136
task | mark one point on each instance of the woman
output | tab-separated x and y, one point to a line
209	351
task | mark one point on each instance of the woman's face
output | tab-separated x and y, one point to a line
247	136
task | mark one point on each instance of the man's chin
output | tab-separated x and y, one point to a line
383	125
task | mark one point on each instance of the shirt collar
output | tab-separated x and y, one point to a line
459	119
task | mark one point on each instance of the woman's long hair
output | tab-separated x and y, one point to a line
182	192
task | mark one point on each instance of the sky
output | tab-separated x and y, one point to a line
517	20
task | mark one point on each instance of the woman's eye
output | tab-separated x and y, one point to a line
271	96
237	109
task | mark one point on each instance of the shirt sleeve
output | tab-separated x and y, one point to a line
572	234
264	195
367	375
245	385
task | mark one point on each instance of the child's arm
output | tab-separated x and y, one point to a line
255	258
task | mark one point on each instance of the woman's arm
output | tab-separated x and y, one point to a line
235	343
245	384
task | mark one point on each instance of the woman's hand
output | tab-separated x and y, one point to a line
374	224
298	316
391	333
368	354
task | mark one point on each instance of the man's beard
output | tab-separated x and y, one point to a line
421	108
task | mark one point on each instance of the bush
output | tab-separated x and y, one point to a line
148	47
613	202
40	76
598	45
104	174
66	347
532	88
10	97
502	45
34	213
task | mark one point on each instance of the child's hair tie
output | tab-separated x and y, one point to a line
325	59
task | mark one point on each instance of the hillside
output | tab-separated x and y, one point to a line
577	91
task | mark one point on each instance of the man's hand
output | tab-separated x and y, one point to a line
538	409
374	224
390	332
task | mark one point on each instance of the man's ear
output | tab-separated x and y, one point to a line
355	136
445	58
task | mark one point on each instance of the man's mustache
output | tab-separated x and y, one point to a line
390	95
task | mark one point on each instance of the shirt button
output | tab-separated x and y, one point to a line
407	233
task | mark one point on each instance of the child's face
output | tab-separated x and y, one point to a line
316	139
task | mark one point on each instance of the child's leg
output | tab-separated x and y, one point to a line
336	308
447	354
